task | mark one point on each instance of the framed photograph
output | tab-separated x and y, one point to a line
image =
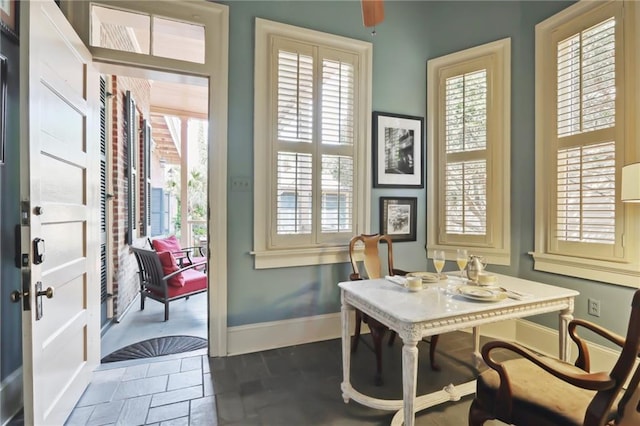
398	217
9	17
3	104
398	151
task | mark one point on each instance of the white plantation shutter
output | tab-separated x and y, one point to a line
465	177
584	211
586	131
337	194
295	97
314	144
295	183
586	80
586	194
469	152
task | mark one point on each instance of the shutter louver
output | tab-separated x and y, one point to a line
295	97
586	80
294	186
103	189
466	112
337	193
466	198
586	194
337	102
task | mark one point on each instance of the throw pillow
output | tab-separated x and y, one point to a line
170	244
169	265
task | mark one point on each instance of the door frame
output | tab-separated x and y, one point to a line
215	18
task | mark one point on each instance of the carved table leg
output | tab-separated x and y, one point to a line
564	348
409	379
346	310
476	358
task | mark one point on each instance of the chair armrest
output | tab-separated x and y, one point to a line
591	381
583	361
194	249
179	271
354	277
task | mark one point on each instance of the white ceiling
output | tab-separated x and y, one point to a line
181	99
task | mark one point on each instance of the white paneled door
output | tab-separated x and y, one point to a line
60	213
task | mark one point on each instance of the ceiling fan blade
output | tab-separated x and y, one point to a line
372	12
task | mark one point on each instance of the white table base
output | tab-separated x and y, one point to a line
412	333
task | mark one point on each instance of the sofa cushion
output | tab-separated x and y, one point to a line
193	281
169	265
170	244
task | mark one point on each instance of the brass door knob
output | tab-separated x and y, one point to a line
48	292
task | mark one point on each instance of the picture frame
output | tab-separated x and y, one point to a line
9	18
3	105
398	218
398	151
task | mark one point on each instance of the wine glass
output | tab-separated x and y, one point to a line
438	261
461	260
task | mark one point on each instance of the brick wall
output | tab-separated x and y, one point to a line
125	285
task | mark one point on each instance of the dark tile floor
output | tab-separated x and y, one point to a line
297	385
300	385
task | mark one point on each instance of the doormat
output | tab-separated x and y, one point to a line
159	346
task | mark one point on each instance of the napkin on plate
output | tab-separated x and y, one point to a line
518	295
397	279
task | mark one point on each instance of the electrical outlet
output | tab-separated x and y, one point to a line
240	184
594	307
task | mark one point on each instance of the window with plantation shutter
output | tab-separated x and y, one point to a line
465	128
580	138
312	120
468	152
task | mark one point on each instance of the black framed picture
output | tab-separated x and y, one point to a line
398	151
398	217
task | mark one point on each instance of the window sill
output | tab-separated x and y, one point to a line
624	274
285	258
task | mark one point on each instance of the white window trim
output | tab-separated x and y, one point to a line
500	253
627	272
265	256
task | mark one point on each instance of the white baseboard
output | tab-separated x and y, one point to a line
545	340
10	396
278	334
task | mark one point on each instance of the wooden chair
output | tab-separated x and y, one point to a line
543	391
162	280
369	257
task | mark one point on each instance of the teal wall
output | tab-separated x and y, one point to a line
412	33
399	86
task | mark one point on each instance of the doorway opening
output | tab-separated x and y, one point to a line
155	186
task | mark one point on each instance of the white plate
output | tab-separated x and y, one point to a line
427	277
481	294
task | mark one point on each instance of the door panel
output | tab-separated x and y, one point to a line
59	174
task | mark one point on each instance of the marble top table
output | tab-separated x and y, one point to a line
434	310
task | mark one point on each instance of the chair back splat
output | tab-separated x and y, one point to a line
371	255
